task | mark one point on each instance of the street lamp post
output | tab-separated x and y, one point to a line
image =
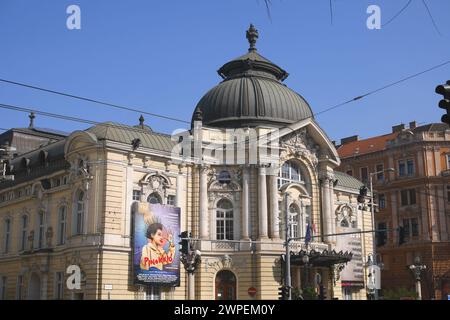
288	251
417	269
191	260
372	211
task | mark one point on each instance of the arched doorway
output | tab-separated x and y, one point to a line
34	289
225	285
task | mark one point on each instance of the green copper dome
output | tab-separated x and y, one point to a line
251	94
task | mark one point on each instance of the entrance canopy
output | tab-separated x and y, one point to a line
320	259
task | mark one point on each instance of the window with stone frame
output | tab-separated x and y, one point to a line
401	168
136	195
380	172
62	224
224	220
364	174
410	167
20	288
24	233
408	197
7	236
171	200
41	228
79	213
295	221
381	236
59	285
381	201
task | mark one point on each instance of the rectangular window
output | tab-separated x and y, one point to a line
136	195
401	168
448	193
62	216
19	289
3	288
415	227
41	229
412	196
406	228
381	201
381	236
364	175
24	233
7	235
171	200
380	172
404	197
59	285
410	167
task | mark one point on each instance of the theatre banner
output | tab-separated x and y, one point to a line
156	256
353	273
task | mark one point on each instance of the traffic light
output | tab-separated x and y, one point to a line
445	103
401	235
283	293
184	244
362	194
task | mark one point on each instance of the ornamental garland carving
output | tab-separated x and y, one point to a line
300	144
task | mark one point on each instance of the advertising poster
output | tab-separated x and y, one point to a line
353	273
156	256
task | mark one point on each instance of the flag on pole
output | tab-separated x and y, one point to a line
313	231
308	234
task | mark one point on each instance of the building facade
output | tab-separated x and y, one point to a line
415	196
73	201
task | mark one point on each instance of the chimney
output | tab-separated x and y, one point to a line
412	125
398	128
349	139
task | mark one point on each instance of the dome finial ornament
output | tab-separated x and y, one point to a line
141	121
252	36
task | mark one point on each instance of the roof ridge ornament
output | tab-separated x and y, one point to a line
252	35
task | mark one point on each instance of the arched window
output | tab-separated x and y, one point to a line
7	235
62	218
224	220
290	172
23	242
79	214
154	198
41	231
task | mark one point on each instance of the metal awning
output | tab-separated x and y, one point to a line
321	259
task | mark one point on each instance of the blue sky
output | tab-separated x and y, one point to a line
162	56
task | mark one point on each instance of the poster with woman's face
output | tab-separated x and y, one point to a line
156	256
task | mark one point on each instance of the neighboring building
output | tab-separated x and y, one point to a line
415	196
72	201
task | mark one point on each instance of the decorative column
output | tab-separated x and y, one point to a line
203	202
245	204
180	196
331	217
274	210
262	203
326	206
